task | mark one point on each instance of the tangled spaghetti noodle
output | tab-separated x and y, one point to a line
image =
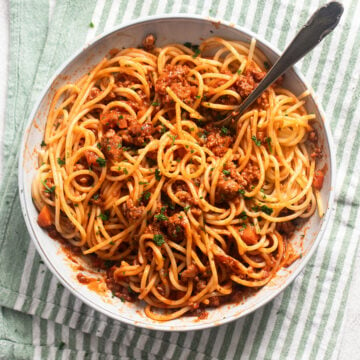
185	215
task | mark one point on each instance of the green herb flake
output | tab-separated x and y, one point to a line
172	137
143	183
104	216
101	161
163	129
198	96
125	171
268	141
196	53
241	191
157	174
155	103
91	25
43	143
243	215
61	161
47	188
187	208
266	209
146	195
226	172
256	141
161	217
224	131
239	72
158	239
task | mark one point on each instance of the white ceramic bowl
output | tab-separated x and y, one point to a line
168	29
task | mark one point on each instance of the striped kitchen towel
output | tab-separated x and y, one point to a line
40	319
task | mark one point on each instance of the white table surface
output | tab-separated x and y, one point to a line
350	343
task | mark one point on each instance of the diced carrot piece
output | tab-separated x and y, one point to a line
318	179
44	219
249	235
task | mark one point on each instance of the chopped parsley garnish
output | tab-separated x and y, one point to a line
196	53
241	191
124	170
146	195
158	239
91	25
157	175
198	96
256	141
118	146
193	47
96	196
163	129
143	183
266	209
224	131
101	161
98	145
172	137
120	117
202	134
104	216
47	188
263	191
161	217
43	143
239	71
243	215
268	141
155	103
226	172
60	161
187	208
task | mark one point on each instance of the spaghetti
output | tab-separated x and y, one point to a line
185	215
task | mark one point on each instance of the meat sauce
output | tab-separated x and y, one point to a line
175	77
121	129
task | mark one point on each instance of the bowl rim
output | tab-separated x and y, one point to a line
166	326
